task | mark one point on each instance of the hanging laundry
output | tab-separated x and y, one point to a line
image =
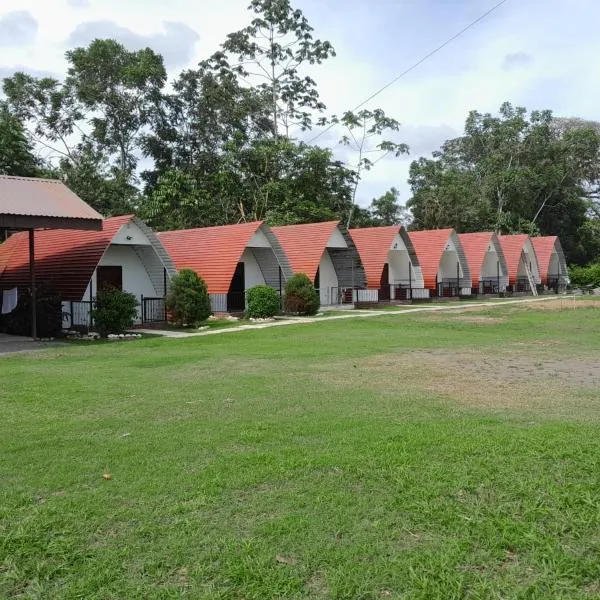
9	301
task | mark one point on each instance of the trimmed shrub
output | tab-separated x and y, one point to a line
114	311
301	297
49	315
585	276
188	302
263	302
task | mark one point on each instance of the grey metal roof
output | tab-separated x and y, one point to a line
30	202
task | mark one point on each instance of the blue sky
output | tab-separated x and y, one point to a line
536	53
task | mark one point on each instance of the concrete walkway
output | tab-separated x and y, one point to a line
18	343
357	314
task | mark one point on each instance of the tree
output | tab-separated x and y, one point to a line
513	172
16	153
386	210
270	52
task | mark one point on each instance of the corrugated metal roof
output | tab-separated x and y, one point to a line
65	259
475	246
430	246
544	247
513	246
304	244
374	243
213	252
44	198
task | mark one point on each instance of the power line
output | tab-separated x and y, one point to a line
418	63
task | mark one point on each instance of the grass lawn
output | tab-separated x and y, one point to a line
422	456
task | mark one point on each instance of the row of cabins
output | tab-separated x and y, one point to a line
372	265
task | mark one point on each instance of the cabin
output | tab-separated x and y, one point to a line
489	271
391	265
554	273
522	263
28	204
326	253
230	259
73	265
443	262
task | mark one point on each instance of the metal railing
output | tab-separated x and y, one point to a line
153	310
522	285
557	284
78	314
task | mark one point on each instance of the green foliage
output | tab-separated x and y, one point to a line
263	302
16	153
188	302
585	276
512	172
114	311
301	297
49	314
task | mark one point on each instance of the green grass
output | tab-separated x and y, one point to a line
412	456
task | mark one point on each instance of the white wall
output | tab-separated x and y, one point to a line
327	279
490	265
259	240
554	268
528	257
447	268
134	233
253	274
399	266
336	240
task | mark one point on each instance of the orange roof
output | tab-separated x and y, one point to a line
373	245
213	252
475	246
304	244
65	259
430	246
544	247
512	246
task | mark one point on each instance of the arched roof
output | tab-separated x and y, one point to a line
475	246
373	245
214	252
544	247
513	246
65	259
304	244
430	246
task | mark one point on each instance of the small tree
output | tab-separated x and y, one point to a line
301	297
188	302
263	302
114	311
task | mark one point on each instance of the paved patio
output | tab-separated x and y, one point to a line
19	343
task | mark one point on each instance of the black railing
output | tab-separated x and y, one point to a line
557	284
449	288
153	310
490	285
79	315
522	285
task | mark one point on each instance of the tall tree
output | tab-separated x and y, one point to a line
16	153
269	54
512	172
387	210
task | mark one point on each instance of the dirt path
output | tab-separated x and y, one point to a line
354	314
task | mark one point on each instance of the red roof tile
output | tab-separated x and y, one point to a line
475	246
373	245
430	246
304	244
65	259
512	246
544	247
213	252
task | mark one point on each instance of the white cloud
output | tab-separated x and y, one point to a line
78	3
17	28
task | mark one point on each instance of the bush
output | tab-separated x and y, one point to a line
114	311
301	297
263	302
188	302
585	276
49	315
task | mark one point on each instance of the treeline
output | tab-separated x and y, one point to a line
220	144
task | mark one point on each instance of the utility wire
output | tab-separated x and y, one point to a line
417	64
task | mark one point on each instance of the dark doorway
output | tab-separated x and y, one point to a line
384	283
318	279
108	278
236	297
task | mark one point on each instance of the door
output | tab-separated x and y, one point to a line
108	278
236	297
384	284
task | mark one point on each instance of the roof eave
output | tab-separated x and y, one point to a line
8	221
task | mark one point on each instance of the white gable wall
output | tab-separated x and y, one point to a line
447	269
336	240
327	279
259	240
253	274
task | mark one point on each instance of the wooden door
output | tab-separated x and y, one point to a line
108	277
